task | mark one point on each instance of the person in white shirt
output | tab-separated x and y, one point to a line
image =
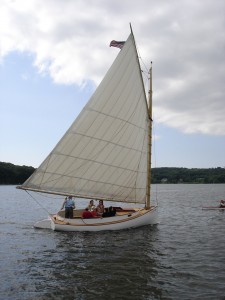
69	205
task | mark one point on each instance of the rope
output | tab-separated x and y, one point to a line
38	202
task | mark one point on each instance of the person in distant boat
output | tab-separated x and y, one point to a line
222	203
87	214
100	209
69	205
91	206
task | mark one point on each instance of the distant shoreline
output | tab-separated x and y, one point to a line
11	174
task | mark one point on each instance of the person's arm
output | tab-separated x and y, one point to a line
63	203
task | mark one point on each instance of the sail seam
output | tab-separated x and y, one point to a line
117	118
103	140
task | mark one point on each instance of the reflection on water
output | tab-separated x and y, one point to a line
181	258
95	265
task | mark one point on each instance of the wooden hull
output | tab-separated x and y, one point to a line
119	222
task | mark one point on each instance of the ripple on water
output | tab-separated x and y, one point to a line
181	258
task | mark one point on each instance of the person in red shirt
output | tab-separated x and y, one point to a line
87	214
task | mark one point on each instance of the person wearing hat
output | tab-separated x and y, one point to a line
69	205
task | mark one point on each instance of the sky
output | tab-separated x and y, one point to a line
54	53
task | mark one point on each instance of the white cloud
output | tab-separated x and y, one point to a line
185	39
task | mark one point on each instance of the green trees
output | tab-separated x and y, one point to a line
11	174
184	175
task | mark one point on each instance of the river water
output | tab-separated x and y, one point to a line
180	258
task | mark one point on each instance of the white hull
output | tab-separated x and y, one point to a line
126	220
43	224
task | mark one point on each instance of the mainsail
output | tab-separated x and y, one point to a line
103	155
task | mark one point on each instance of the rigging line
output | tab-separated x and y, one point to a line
38	202
140	58
146	69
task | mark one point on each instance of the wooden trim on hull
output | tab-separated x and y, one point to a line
140	218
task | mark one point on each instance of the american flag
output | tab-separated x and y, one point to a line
116	44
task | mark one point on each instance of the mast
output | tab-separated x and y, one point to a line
147	206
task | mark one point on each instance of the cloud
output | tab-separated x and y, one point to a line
184	39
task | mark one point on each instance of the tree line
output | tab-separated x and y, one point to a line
185	175
13	174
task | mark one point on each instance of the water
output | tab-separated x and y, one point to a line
181	258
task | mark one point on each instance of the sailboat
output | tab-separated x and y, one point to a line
221	206
106	153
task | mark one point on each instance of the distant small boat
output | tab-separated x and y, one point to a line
106	153
213	207
221	206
